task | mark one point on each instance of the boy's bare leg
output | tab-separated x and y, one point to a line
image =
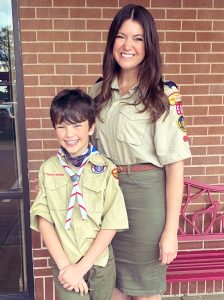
118	295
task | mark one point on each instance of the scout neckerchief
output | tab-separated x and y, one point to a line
76	192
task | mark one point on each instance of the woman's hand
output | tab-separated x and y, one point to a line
168	246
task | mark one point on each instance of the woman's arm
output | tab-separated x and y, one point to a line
174	193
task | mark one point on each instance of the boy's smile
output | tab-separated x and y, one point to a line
74	137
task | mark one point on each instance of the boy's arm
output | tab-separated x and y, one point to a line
71	273
52	243
55	249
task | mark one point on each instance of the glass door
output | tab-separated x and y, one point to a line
16	278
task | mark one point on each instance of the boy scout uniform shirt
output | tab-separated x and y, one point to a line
129	137
103	200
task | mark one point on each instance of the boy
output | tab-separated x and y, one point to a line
79	206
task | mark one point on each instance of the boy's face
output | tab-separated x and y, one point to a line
74	137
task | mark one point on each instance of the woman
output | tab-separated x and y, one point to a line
140	127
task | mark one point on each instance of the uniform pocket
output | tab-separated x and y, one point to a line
57	189
131	125
93	194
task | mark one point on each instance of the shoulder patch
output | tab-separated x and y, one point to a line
99	79
170	83
181	124
98	169
115	173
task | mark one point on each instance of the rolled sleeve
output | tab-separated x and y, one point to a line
40	207
171	140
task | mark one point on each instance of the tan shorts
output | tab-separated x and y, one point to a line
100	280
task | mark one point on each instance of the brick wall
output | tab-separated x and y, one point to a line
62	46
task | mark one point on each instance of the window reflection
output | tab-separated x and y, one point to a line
8	142
11	262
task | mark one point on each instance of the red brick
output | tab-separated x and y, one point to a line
98	24
180	58
197	25
210	36
209	57
52	12
180	36
69	24
215	150
49	288
38	69
39	289
52	36
71	69
69	3
197	3
36	3
181	14
195	47
218	25
85	36
100	3
37	47
138	2
217	47
85	58
80	13
53	58
166	3
26	12
210	14
205	100
55	80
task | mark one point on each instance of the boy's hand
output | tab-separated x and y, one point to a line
72	277
81	287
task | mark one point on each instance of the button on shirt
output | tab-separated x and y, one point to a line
129	137
103	199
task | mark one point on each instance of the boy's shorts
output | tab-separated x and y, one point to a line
100	281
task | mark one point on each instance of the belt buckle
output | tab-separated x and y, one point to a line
119	169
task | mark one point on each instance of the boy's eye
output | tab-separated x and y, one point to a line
77	125
59	126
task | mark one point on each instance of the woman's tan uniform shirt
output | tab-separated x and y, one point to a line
128	137
103	199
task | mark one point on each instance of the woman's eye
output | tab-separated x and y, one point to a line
139	39
119	36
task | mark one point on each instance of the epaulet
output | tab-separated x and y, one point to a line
170	84
172	92
99	79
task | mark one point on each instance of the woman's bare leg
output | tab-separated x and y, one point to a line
118	295
154	297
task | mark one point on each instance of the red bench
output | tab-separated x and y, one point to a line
201	219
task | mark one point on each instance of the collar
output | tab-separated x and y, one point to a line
114	86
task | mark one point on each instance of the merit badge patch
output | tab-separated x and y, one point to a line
174	98
179	108
115	173
186	138
97	169
181	123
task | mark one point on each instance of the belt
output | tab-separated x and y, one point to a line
136	168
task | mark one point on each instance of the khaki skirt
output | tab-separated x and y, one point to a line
136	251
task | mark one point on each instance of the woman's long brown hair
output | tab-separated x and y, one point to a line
150	87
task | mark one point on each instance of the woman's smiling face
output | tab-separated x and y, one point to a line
129	45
